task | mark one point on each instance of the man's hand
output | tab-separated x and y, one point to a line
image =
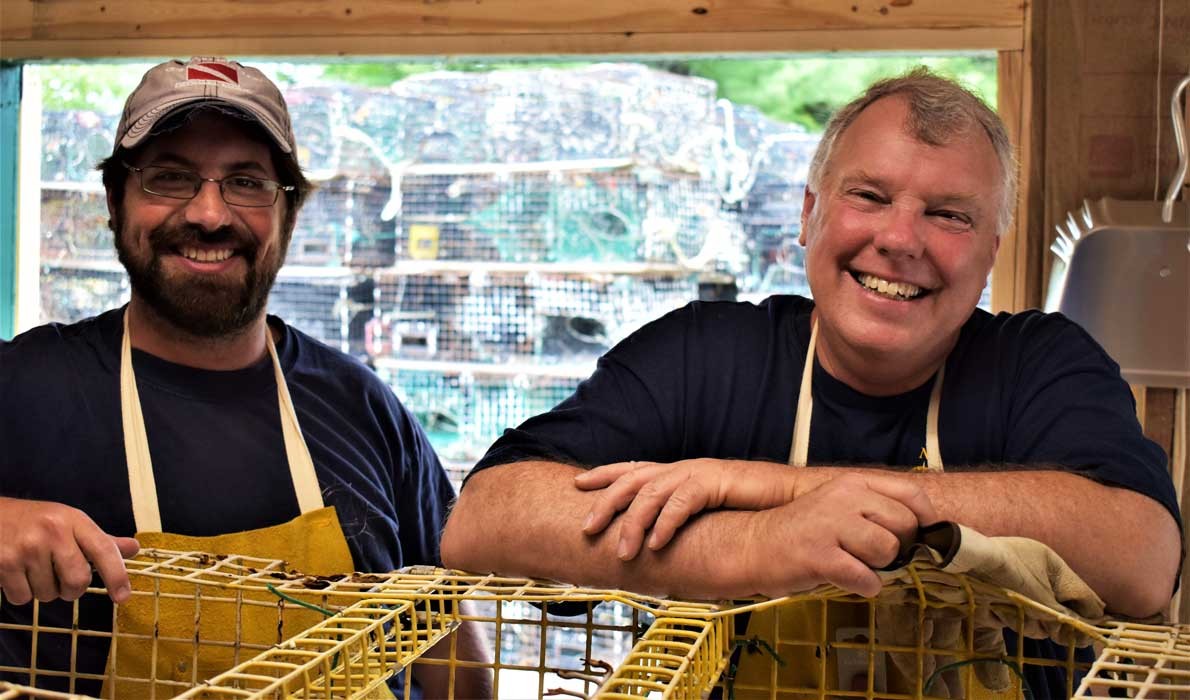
836	533
664	496
47	551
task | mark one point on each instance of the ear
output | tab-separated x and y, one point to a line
111	212
807	206
992	255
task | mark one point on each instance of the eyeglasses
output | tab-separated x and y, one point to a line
238	190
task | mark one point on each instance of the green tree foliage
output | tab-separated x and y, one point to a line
88	86
808	90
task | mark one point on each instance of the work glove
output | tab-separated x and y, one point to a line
942	604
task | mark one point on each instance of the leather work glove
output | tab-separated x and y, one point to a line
942	604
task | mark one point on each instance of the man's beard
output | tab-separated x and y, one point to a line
206	307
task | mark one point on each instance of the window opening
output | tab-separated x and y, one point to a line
482	233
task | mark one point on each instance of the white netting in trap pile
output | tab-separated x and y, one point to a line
472	354
500	317
541	164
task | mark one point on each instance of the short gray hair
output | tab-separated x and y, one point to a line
939	110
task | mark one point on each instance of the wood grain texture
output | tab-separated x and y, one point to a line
1018	84
1159	416
1062	184
525	44
1031	241
126	19
16	18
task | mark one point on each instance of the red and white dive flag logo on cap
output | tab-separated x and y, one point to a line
218	71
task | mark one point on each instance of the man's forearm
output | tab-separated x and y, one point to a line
525	519
1126	546
462	681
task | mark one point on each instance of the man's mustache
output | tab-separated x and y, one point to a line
173	237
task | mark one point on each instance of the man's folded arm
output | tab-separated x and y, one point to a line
525	519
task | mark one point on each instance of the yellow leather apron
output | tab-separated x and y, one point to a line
187	637
802	622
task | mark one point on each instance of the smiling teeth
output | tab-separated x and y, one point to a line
206	255
894	290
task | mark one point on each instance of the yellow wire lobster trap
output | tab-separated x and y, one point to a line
925	636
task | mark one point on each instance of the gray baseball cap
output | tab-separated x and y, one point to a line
202	79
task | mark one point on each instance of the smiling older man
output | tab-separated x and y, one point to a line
1019	424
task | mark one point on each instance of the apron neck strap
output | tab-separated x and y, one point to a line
799	451
143	487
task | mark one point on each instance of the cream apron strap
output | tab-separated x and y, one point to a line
301	466
136	444
799	451
933	447
142	485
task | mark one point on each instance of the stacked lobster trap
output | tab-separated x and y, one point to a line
218	626
474	352
461	411
539	317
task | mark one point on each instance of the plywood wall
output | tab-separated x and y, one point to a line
1109	68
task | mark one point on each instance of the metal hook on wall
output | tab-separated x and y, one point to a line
1179	134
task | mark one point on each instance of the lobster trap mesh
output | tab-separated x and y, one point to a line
501	317
344	636
463	412
70	294
594	211
474	352
74	226
333	307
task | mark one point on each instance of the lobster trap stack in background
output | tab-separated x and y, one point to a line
344	636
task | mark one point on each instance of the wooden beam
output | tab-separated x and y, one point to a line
1029	232
133	28
1021	92
1014	102
525	44
136	19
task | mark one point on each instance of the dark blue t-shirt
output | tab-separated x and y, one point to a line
721	380
216	445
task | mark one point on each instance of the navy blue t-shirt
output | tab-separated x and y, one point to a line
216	445
721	380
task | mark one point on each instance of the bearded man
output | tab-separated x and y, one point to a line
189	417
